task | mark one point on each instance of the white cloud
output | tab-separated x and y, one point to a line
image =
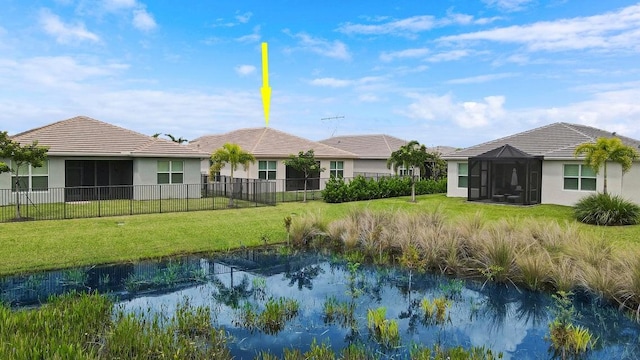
58	72
244	18
363	82
251	38
334	49
412	25
403	54
331	82
142	20
449	55
613	30
244	70
65	33
113	5
508	5
371	98
468	114
480	78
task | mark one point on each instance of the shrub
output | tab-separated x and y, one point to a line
606	209
337	190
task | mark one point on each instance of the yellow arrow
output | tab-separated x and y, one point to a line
265	90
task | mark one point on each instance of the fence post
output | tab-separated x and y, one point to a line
187	196
160	186
98	190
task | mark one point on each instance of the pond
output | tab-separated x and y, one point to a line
503	318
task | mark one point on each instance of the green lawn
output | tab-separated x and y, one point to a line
39	245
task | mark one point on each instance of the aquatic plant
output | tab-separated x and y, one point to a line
342	312
75	278
384	331
272	319
452	289
418	352
435	310
567	340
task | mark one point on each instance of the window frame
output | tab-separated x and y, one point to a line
579	178
170	172
29	177
267	171
464	176
335	170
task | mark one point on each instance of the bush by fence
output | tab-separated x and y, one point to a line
337	190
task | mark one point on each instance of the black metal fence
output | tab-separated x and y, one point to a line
99	201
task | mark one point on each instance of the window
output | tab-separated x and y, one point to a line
267	170
579	177
31	178
336	169
170	172
463	175
405	172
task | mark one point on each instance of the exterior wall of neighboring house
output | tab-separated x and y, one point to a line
145	172
553	191
373	166
453	188
281	171
553	188
631	184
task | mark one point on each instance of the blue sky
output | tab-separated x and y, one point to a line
441	72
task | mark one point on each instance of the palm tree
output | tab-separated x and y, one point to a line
233	155
597	154
411	156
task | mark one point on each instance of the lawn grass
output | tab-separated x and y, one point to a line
43	245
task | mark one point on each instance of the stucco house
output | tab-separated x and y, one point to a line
537	166
271	147
373	151
90	159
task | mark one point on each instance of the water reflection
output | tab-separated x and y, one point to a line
503	318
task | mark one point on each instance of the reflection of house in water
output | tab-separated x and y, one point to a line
130	280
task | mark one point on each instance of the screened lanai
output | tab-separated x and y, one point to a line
505	174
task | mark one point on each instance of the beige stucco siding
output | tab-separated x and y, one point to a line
553	191
378	166
281	171
145	172
453	190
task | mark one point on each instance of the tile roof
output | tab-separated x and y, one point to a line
553	141
367	146
268	142
378	146
82	136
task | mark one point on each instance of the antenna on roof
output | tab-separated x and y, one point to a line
333	118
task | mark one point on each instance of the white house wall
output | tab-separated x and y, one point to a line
452	180
377	166
145	177
631	184
281	171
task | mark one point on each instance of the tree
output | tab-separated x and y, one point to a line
437	166
410	157
179	140
597	154
233	155
306	163
21	156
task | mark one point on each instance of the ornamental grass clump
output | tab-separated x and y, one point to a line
606	209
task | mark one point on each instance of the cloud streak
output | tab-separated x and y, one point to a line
65	33
616	30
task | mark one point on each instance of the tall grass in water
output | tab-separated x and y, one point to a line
384	331
541	255
82	326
